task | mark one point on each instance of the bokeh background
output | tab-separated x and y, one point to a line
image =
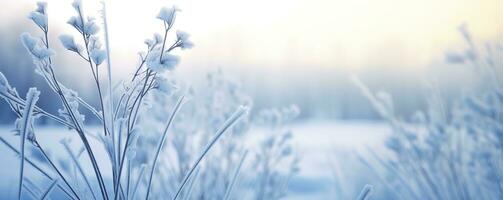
283	51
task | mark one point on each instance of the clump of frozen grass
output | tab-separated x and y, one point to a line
209	107
448	151
234	117
121	135
230	172
275	159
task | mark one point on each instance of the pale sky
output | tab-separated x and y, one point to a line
353	34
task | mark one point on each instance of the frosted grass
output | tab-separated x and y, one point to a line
451	150
123	114
24	126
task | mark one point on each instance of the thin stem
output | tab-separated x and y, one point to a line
86	144
109	66
32	98
144	59
82	137
79	167
164	43
123	155
48	191
138	180
128	179
90	108
78	128
365	193
96	167
233	119
140	95
57	171
21	103
228	192
35	166
192	183
161	143
30	191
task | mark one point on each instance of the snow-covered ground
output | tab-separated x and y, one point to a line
332	145
327	149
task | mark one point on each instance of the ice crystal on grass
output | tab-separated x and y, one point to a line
24	125
90	27
77	23
4	84
35	48
161	64
157	39
183	38
39	16
94	43
77	5
69	43
41	7
98	56
39	19
30	132
73	103
168	14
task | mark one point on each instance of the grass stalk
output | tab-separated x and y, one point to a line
48	191
30	192
192	183
29	161
228	192
79	167
57	171
138	180
162	141
26	120
365	193
231	121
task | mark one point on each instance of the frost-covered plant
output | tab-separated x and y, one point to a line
24	127
195	126
275	160
448	151
120	111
